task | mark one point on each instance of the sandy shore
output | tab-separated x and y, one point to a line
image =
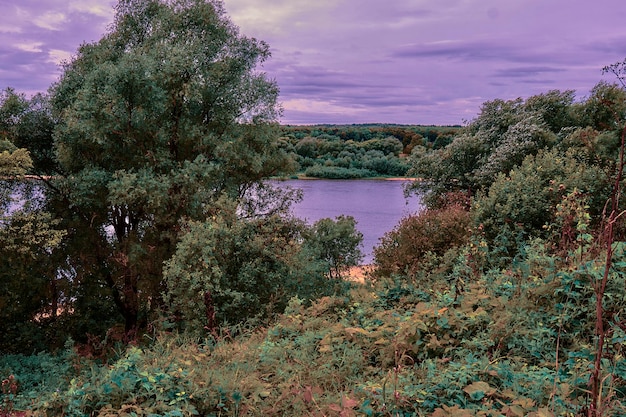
360	273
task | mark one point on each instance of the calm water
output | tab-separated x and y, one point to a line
377	205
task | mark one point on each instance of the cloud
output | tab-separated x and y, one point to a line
58	56
11	20
6	27
29	46
471	50
525	72
352	61
277	16
51	20
93	7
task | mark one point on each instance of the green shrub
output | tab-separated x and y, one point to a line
388	349
336	243
525	200
229	270
39	376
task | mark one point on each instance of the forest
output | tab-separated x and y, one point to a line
358	151
147	268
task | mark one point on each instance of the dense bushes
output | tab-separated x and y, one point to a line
432	231
505	133
230	270
525	199
326	154
513	341
333	172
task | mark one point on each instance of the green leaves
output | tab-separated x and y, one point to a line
159	120
15	163
335	242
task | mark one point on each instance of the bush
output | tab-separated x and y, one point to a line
524	201
402	250
336	243
230	270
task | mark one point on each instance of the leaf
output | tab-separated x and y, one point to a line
525	403
542	412
454	411
353	330
513	410
325	344
347	402
307	395
335	407
478	390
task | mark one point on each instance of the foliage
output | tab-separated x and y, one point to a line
430	232
356	151
28	124
504	297
526	137
524	201
505	133
28	236
335	242
229	270
336	173
512	341
159	120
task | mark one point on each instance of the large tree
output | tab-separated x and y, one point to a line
162	117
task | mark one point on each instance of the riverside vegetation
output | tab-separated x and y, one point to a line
148	270
358	151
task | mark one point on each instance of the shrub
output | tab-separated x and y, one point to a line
336	243
525	199
229	270
402	250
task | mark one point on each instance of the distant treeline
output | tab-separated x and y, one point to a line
359	151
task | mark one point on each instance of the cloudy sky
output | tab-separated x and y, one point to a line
366	61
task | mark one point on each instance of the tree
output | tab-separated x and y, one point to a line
27	238
161	118
336	242
500	138
233	269
28	124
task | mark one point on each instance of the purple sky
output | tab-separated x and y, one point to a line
367	61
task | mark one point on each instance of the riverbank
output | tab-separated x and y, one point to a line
304	177
360	273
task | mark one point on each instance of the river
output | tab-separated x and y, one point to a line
376	205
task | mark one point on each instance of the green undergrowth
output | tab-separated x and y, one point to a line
511	342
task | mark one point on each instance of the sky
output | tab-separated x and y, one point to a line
366	61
